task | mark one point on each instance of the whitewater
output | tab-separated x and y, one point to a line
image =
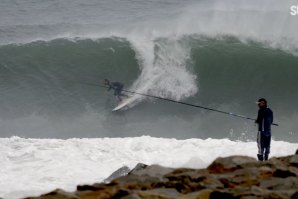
34	166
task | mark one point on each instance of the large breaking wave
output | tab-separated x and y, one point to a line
46	87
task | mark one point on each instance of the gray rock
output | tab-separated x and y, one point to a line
275	183
138	167
294	160
136	181
123	171
152	171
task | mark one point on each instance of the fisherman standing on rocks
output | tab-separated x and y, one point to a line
264	121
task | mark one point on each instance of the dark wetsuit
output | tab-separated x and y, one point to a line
264	121
117	86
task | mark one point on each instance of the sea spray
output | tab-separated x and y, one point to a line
165	68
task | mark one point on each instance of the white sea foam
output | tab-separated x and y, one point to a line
35	166
164	68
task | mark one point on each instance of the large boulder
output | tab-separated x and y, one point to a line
229	164
57	194
123	171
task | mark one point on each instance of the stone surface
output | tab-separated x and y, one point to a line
294	160
229	164
153	171
138	167
57	194
123	171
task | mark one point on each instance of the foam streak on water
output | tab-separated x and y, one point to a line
35	166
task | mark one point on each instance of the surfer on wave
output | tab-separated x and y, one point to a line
116	86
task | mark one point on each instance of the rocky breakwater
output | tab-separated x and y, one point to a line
226	178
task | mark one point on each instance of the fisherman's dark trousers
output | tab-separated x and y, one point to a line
263	146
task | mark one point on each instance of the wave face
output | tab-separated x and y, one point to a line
49	88
223	55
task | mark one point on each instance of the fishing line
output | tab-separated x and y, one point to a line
179	102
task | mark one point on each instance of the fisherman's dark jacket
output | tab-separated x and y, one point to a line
264	120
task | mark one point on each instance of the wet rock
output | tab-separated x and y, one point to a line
294	160
56	194
203	194
93	187
286	172
221	194
246	177
138	167
152	171
295	194
120	193
131	196
275	183
229	164
123	171
159	193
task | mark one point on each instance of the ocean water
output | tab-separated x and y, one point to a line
218	54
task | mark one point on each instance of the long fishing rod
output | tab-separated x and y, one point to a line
184	103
